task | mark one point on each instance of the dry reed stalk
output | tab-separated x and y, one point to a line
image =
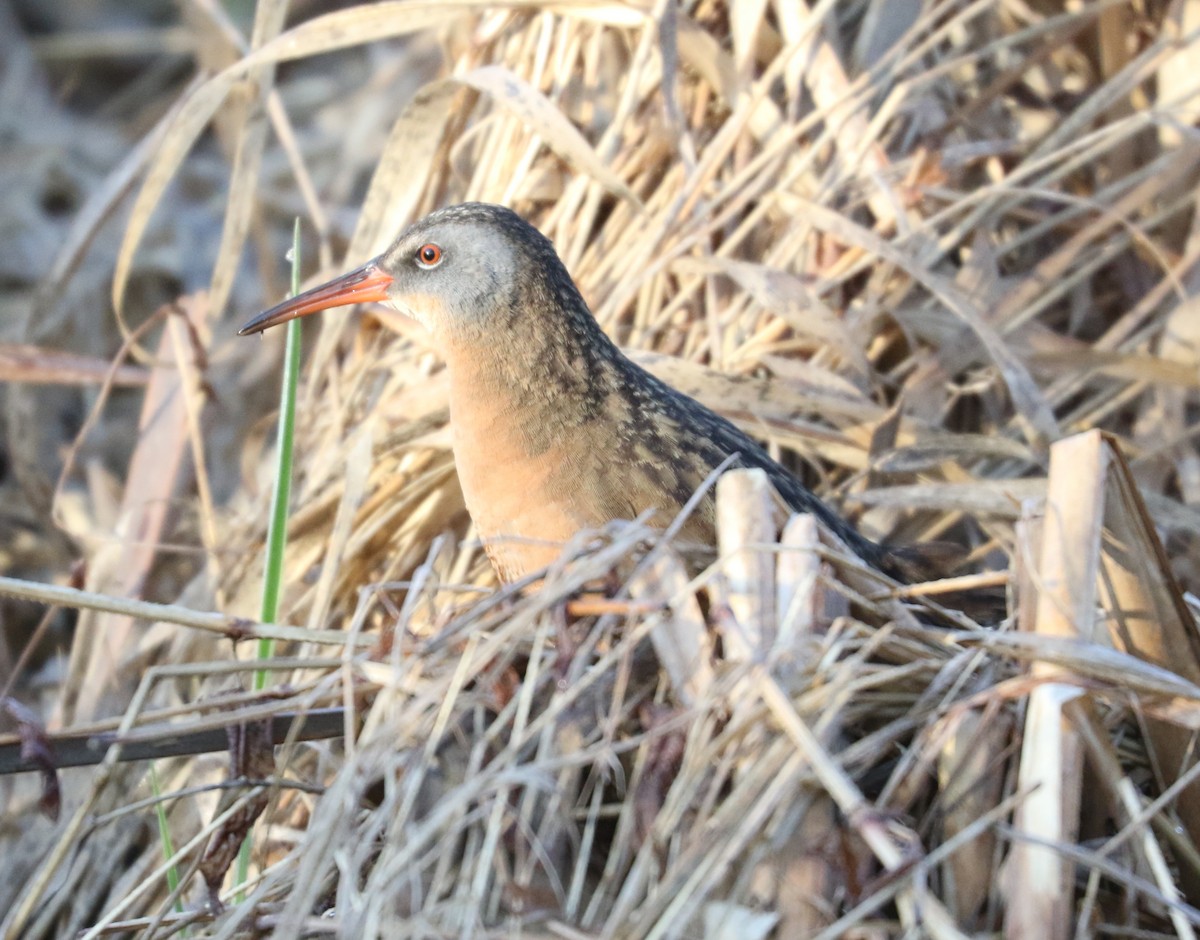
910	247
99	679
1038	878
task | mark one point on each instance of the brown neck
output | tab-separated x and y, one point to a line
524	410
541	378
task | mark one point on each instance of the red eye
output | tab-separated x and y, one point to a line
429	255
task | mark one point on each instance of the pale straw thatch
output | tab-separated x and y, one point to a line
929	251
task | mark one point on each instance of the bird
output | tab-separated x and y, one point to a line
554	429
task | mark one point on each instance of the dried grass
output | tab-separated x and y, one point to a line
910	245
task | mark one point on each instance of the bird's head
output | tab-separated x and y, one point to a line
457	272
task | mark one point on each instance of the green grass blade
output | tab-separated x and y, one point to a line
277	528
164	834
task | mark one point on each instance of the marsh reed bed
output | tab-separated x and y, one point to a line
940	256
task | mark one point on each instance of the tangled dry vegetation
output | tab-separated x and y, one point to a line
940	255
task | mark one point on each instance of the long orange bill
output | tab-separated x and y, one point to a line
362	285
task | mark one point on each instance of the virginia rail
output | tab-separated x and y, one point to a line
554	429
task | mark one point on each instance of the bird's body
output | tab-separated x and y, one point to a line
554	429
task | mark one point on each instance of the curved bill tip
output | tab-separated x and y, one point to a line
362	285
